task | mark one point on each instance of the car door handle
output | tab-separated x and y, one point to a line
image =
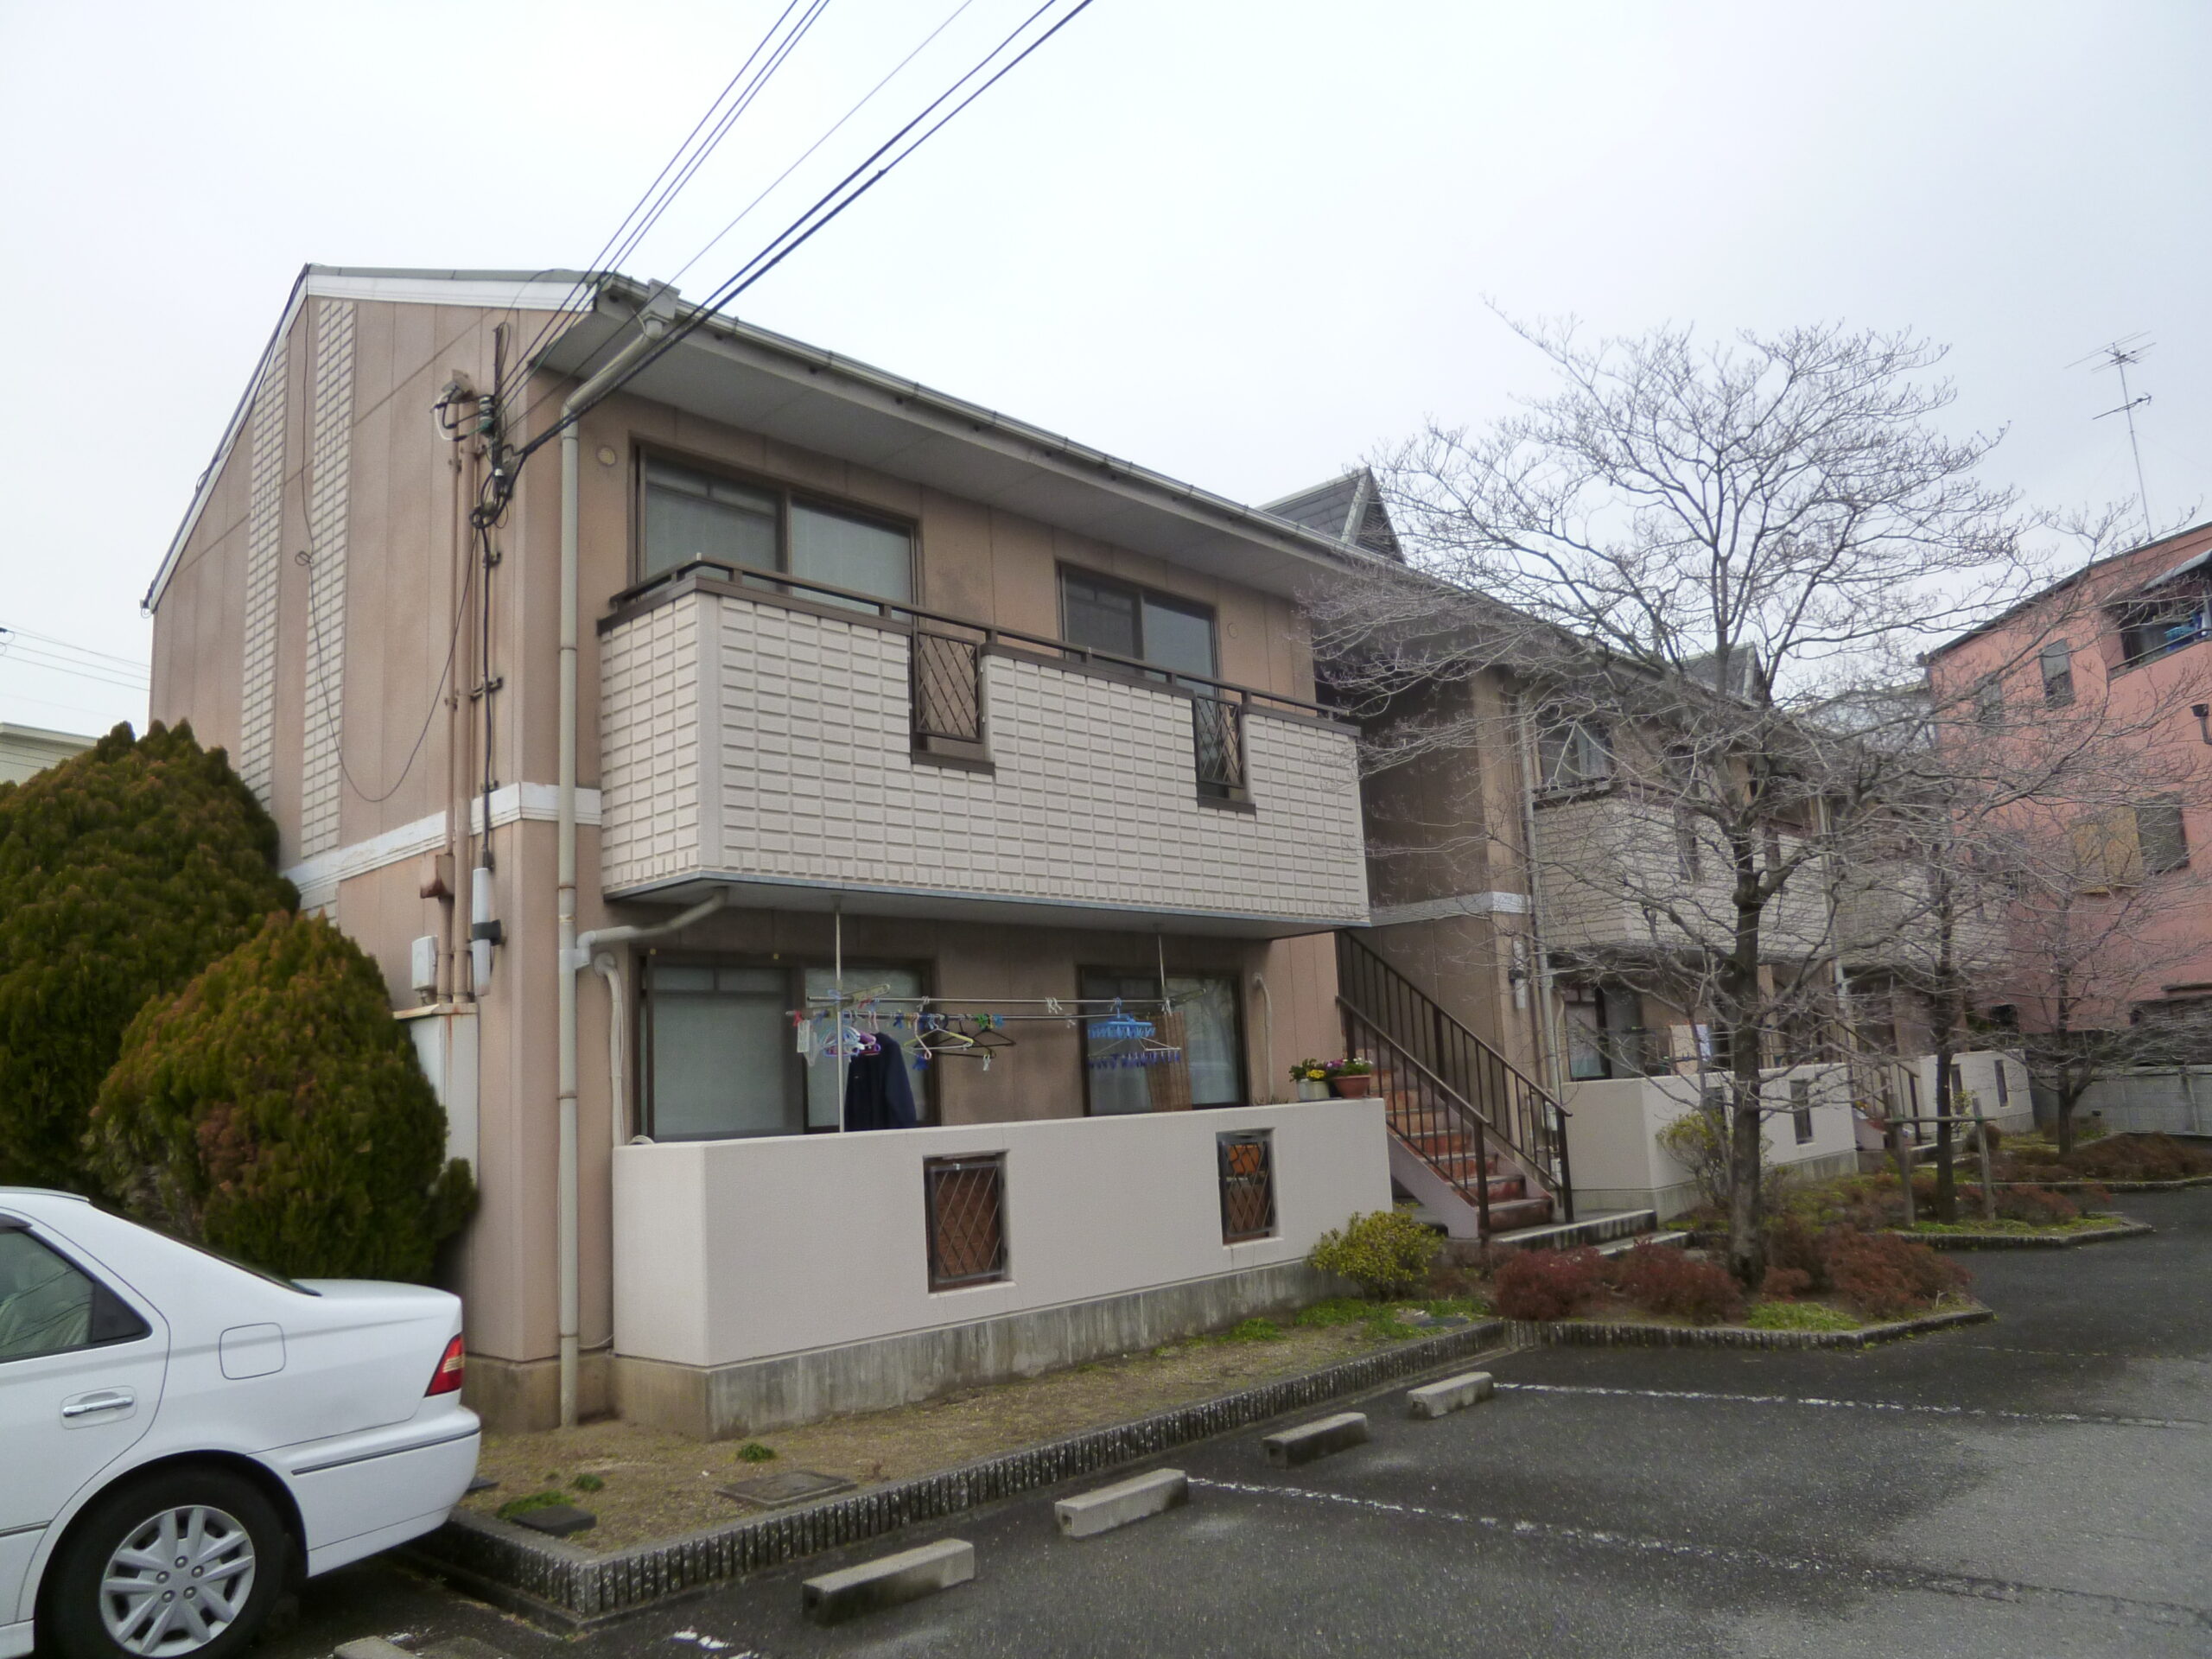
85	1405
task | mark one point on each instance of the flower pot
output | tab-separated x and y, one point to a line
1354	1088
1312	1089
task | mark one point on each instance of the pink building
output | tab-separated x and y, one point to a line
2116	658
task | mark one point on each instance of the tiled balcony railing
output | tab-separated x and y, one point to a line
1614	872
783	733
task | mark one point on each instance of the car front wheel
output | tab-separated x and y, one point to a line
187	1562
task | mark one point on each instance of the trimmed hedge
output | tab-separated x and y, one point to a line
123	871
275	1110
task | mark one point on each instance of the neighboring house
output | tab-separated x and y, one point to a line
28	749
877	695
2119	653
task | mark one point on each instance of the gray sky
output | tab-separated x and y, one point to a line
1242	241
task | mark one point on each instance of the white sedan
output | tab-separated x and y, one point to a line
182	1439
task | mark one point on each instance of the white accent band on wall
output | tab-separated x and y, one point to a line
1459	903
264	550
317	878
330	456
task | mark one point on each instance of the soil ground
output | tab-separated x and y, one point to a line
655	1485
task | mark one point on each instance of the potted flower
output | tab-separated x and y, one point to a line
1352	1078
1312	1078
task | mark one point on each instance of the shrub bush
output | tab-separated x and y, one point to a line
1794	1247
2035	1206
2139	1158
1676	1285
1385	1253
273	1109
1548	1284
1785	1284
1881	1276
123	871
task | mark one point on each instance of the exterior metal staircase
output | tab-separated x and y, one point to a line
1474	1140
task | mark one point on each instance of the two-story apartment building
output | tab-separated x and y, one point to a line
786	750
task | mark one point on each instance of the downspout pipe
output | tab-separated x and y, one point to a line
653	326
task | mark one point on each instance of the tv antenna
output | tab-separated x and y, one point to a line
2122	355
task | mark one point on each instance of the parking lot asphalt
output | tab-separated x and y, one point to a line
2039	1486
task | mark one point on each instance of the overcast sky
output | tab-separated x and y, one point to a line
1245	242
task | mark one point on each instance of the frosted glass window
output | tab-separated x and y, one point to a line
721	1057
1180	637
696	516
1212	1061
864	555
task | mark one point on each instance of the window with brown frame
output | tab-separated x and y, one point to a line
688	514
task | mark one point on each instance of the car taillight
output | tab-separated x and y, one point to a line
447	1378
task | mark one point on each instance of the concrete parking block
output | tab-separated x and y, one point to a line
1316	1440
907	1576
1452	1394
1135	1499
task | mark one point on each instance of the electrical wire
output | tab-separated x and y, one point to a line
618	245
134	663
49	663
792	237
712	242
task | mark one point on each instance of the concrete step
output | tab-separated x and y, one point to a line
1518	1215
1608	1230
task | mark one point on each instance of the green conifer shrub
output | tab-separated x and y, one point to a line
275	1110
123	871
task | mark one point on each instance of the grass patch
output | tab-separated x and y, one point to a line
587	1483
2079	1225
1385	1326
1455	1307
1252	1331
1338	1310
1799	1316
753	1452
544	1500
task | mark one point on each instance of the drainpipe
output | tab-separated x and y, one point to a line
565	902
608	966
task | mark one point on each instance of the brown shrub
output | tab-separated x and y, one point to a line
1883	1276
1785	1284
2139	1158
1676	1284
1793	1246
1548	1284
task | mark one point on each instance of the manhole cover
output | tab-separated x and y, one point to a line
780	1491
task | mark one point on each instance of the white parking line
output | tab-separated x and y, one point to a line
1819	1404
1872	1575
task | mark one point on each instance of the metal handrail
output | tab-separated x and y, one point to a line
1520	1112
891	610
1454	1106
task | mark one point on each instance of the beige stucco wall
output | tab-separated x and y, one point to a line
1093	1208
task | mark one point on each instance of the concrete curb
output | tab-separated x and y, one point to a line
2075	1185
1291	1448
2024	1241
888	1581
1126	1502
563	1586
1598	1333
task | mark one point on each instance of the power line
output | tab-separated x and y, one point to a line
624	239
821	212
84	650
950	18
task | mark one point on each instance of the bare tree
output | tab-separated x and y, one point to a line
1703	569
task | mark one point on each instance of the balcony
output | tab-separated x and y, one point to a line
1617	872
799	741
1886	919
